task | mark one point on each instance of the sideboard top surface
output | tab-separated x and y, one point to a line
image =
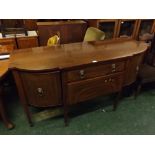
75	54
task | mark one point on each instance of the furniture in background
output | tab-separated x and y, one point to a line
70	31
81	71
11	27
27	42
74	30
145	26
8	41
30	24
4	64
6	49
94	34
18	32
127	28
21	42
108	26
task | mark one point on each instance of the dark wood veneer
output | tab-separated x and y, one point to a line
84	71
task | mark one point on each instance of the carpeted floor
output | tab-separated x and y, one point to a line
132	117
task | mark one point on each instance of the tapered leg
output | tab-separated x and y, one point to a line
117	100
22	96
28	115
64	98
66	118
139	86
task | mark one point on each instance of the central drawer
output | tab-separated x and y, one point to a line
88	89
95	71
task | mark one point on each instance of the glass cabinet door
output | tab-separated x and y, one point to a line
127	28
146	26
108	28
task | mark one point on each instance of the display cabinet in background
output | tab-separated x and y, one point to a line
12	27
15	31
21	33
145	26
108	26
127	28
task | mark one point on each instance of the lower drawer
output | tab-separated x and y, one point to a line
91	88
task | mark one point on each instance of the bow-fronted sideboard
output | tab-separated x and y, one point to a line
67	74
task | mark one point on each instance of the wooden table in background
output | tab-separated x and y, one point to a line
3	71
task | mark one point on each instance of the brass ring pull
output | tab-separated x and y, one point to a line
40	91
105	81
113	67
82	74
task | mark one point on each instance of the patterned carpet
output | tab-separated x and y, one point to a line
92	117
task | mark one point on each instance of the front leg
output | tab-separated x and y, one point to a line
3	114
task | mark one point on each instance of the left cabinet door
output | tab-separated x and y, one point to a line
42	89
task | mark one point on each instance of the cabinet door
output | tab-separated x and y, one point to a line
42	89
90	88
127	28
132	69
109	27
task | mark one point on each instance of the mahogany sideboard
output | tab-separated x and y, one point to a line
71	73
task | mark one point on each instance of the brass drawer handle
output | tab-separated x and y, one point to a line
105	81
40	91
108	80
113	67
82	74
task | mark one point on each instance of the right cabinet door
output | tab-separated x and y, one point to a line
133	65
